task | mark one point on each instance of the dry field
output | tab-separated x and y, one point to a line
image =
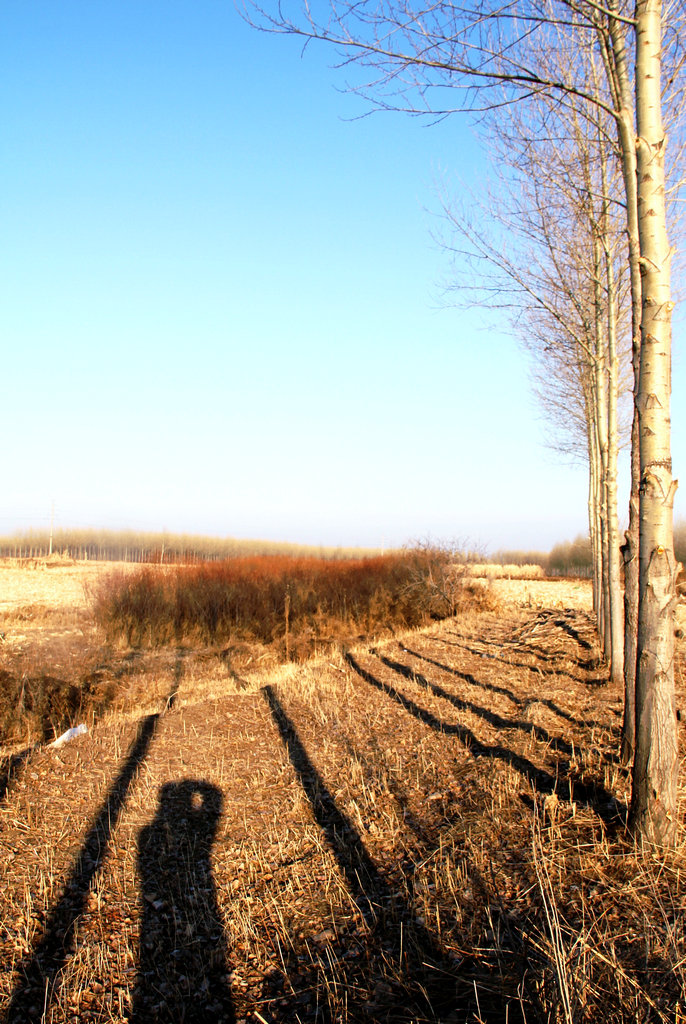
36	585
429	828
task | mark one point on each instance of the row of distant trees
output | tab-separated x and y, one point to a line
164	548
568	558
575	557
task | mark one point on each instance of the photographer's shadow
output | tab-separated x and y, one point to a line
182	971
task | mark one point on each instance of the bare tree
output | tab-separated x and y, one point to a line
653	805
563	284
445	57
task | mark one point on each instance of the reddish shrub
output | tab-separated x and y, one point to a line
294	603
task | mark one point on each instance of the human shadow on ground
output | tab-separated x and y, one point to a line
594	794
491	717
182	968
39	970
419	980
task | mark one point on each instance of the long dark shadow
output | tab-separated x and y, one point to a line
562	623
593	794
416	956
590	665
465	705
566	620
539	777
38	971
368	887
182	966
582	723
468	678
12	766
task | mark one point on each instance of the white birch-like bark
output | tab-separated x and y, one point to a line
599	371
439	59
613	565
593	523
654	793
618	74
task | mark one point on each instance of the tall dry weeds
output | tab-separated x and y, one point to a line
300	604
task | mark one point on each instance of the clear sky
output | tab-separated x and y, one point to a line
220	299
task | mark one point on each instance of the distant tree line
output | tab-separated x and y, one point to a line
569	558
575	557
158	548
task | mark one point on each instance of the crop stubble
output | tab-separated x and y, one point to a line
429	828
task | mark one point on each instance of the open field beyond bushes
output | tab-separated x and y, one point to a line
424	824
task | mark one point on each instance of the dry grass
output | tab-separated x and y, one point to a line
429	828
298	605
77	639
576	594
36	587
493	571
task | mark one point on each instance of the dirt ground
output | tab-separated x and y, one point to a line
431	828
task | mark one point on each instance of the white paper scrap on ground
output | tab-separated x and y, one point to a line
70	734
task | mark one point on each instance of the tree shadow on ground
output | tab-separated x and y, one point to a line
38	972
587	665
570	621
491	717
401	973
510	663
572	631
466	676
11	768
591	793
582	723
182	968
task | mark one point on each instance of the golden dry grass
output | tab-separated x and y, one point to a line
51	584
425	829
495	571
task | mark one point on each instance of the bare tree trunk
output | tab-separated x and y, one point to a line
630	555
599	370
601	553
613	567
598	537
619	77
592	518
654	795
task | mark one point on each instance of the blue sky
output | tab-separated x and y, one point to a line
220	298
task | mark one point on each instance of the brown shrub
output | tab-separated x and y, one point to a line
294	604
